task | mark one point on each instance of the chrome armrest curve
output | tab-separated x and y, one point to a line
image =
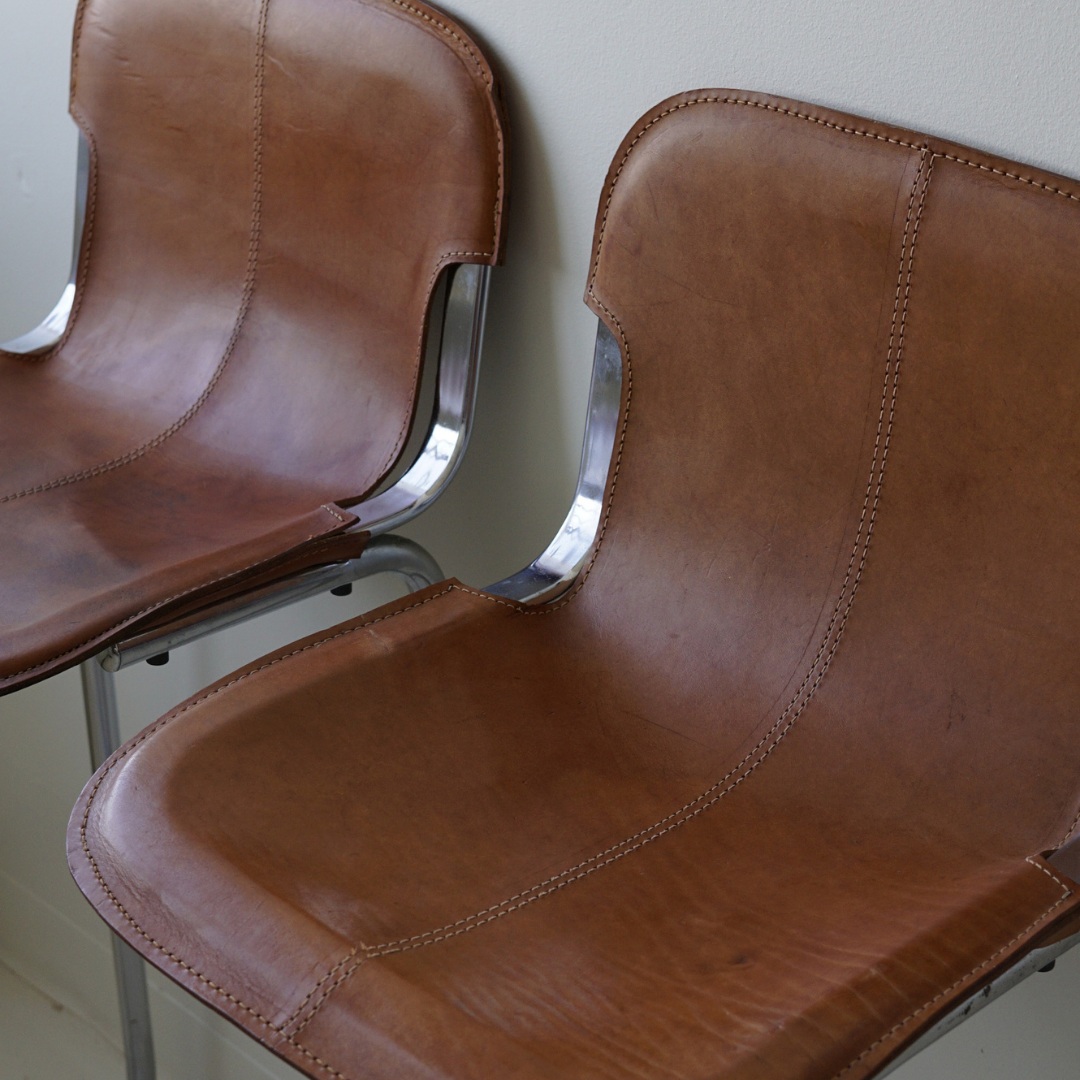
550	575
451	425
51	329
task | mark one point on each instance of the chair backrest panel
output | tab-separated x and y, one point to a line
278	185
846	503
746	272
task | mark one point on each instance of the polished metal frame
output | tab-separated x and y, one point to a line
51	329
544	580
460	325
550	575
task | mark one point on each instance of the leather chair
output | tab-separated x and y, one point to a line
284	208
771	763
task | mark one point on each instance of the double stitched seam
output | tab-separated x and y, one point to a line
822	661
245	299
153	607
560	881
1066	893
450	256
489	83
347	974
129	919
298	1012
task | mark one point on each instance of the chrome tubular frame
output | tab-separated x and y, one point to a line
549	576
384	554
51	329
1036	960
99	694
448	435
462	328
544	580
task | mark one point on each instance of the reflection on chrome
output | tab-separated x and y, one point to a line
51	329
432	463
459	363
553	572
577	534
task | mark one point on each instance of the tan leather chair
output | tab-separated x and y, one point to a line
285	206
790	772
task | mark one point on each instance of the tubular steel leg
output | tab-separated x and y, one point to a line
99	694
399	555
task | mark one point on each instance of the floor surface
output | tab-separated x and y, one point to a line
41	1040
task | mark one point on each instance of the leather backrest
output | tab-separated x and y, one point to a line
276	186
846	497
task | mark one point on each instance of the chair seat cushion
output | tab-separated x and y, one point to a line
438	841
274	190
768	791
88	562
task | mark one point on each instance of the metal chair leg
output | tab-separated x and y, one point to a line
399	555
99	695
387	553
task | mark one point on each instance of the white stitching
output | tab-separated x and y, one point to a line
153	729
343	977
245	298
877	470
298	1011
1011	176
138	615
960	982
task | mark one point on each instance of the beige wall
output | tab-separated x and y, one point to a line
999	74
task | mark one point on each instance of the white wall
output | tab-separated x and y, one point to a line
999	74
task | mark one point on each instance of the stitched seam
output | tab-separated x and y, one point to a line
333	512
420	351
489	83
80	11
1011	176
307	997
830	639
1072	827
723	101
139	614
153	729
343	977
318	1060
245	299
1066	893
799	116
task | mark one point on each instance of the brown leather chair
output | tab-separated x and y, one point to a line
791	772
285	206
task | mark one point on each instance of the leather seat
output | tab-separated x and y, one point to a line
789	772
275	189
